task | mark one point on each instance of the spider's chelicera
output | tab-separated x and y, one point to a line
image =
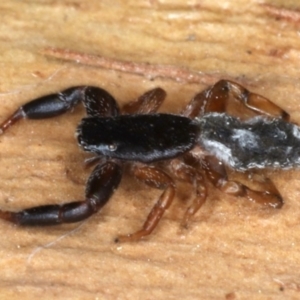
195	146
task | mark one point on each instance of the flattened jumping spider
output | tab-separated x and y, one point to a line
140	136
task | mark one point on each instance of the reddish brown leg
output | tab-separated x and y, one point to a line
216	98
216	173
147	103
160	180
189	174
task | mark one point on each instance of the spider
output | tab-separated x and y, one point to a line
156	145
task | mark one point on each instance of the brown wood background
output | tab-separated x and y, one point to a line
233	249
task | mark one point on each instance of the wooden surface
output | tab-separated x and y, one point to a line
233	249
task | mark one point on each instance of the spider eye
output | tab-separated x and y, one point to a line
112	147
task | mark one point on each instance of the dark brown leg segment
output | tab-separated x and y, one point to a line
189	174
98	103
100	186
147	103
45	107
160	180
215	99
216	173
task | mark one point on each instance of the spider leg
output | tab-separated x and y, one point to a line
216	173
101	184
97	102
190	174
216	98
148	103
160	180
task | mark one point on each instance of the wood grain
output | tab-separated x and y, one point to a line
233	249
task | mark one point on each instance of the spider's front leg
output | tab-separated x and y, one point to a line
101	184
97	102
103	180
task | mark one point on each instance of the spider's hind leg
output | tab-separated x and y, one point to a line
216	99
267	195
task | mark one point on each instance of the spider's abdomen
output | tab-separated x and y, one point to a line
260	142
142	137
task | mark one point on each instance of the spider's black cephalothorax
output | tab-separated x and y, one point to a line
139	136
145	138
